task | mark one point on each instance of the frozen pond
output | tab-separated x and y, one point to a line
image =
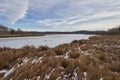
48	40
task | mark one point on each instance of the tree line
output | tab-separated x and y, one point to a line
115	30
9	32
6	30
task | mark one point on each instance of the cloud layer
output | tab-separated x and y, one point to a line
61	14
13	10
77	19
74	13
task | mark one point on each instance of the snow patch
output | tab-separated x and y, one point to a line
95	45
3	71
59	78
84	76
47	77
115	46
66	55
36	60
38	78
101	79
59	56
87	52
33	61
66	76
9	72
25	60
75	75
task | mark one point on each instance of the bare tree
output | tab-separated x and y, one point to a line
115	30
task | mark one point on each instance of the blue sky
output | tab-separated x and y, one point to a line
60	15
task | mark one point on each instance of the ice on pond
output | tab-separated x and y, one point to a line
47	40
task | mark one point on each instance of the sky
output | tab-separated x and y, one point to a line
60	15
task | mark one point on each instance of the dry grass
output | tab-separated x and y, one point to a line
74	54
60	50
45	63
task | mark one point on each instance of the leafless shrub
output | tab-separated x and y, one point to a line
56	74
93	72
115	66
81	42
74	54
43	48
64	63
59	50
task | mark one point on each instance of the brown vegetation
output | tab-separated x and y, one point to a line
115	30
8	32
94	59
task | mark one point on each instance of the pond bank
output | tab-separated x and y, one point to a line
95	59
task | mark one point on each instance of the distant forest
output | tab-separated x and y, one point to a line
6	30
9	32
115	30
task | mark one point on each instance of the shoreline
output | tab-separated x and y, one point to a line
19	35
47	40
95	58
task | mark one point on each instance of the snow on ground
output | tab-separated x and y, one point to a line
3	71
59	56
47	77
66	76
87	52
101	79
67	55
25	60
115	46
59	78
75	75
37	60
48	40
38	78
84	76
9	72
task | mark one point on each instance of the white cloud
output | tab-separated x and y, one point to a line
13	10
52	22
103	25
94	17
43	5
58	14
77	12
71	21
87	7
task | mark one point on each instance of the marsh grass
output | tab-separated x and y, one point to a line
44	62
